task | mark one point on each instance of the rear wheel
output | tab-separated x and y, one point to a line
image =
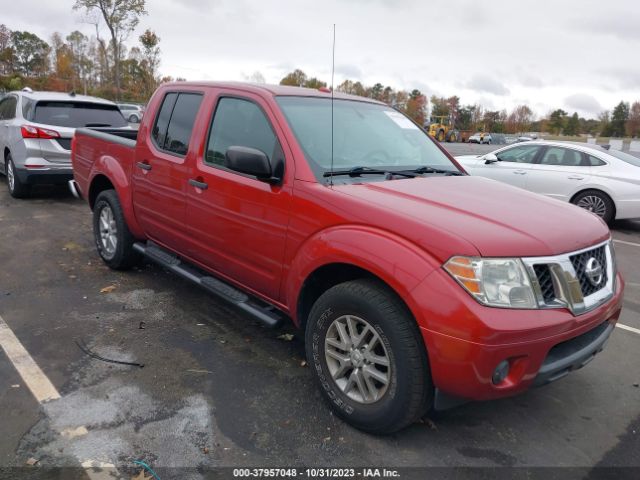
596	202
17	188
440	136
114	241
133	119
367	353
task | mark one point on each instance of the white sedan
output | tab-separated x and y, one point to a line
605	182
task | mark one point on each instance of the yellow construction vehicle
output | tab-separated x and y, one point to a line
441	127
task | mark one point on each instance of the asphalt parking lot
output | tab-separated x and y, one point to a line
217	389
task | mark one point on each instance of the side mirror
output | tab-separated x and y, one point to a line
250	161
490	158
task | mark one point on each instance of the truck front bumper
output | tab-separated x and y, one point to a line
467	342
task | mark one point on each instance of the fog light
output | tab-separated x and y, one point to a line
501	372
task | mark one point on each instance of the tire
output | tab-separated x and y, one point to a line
408	393
440	136
597	202
17	188
133	119
109	227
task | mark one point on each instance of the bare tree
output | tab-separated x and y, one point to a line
121	17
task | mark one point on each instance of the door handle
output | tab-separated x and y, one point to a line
575	177
520	172
198	184
144	166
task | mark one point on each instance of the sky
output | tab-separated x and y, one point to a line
579	55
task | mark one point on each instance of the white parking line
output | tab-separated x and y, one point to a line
41	387
624	242
628	328
43	390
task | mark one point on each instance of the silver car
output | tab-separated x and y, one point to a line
132	112
36	130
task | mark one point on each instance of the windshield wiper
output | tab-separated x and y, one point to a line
426	169
358	171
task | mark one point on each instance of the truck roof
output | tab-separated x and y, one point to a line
275	90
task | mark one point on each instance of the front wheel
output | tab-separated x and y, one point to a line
133	119
114	241
368	356
596	202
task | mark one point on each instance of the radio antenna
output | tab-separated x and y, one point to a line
333	65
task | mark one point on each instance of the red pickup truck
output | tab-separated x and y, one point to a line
415	284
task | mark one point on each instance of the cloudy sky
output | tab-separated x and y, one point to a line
580	55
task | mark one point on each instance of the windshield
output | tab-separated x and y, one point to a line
365	135
78	114
625	157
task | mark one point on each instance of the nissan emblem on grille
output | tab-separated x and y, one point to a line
593	270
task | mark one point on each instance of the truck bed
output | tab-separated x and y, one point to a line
95	147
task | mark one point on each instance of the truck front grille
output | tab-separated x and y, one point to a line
580	263
546	282
579	280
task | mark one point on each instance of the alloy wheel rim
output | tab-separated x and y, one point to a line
10	176
357	359
593	204
108	231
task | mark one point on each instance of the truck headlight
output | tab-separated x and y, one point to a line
497	282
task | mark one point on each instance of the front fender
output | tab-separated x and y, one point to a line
111	168
401	264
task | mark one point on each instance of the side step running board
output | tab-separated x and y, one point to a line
267	314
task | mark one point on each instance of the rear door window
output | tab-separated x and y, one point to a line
77	114
181	123
159	132
562	157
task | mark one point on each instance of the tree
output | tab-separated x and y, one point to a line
377	91
80	57
519	120
604	125
6	52
150	61
573	125
315	83
345	87
297	78
633	122
256	77
121	18
439	106
417	107
557	121
30	53
618	119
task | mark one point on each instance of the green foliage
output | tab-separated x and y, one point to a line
618	119
297	78
29	53
572	127
15	84
557	121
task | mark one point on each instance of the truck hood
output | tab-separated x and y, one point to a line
498	219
